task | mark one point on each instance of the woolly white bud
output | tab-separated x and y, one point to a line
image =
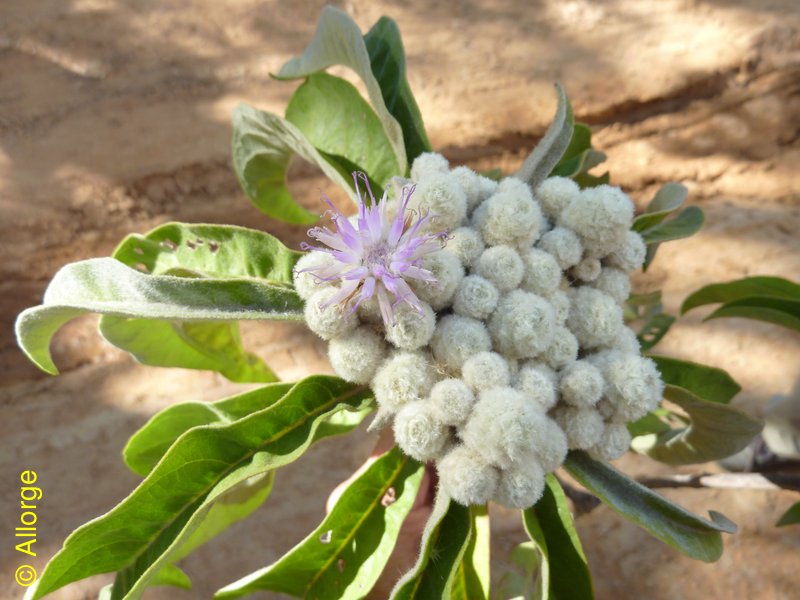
411	330
626	342
456	338
307	284
581	384
601	216
583	426
369	311
466	478
555	194
502	266
440	194
542	273
404	377
521	486
588	269
538	382
510	216
523	324
419	433
476	297
486	370
562	350
564	245
469	182
447	270
428	163
630	254
551	447
634	386
357	355
614	442
466	244
330	321
488	187
594	317
561	305
452	401
614	282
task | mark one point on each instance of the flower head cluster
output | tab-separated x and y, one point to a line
501	351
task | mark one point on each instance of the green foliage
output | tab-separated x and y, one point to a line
697	538
709	383
580	157
144	532
345	555
563	571
524	580
648	308
473	579
790	517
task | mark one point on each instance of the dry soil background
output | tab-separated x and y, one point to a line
114	117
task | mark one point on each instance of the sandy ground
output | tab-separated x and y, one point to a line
114	117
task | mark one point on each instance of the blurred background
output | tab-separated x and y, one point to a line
115	117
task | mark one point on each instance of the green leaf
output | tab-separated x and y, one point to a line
707	383
773	287
345	555
564	572
685	224
579	156
263	146
338	41
521	581
388	65
697	538
667	200
648	424
790	517
472	582
142	533
444	542
656	328
338	122
552	146
106	286
777	311
169	575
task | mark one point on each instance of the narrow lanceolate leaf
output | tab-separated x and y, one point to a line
790	517
338	41
263	146
777	311
444	542
685	224
564	572
552	146
749	287
667	200
106	286
388	63
696	537
472	582
339	123
144	532
346	554
705	382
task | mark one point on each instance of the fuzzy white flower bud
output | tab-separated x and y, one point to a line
447	270
404	377
510	216
542	273
331	321
562	350
428	163
456	338
626	342
614	442
561	305
594	317
452	400
440	194
583	426
522	325
467	244
476	297
588	269
614	282
634	386
555	194
419	432
630	255
411	330
601	216
357	355
581	384
488	187
369	311
551	447
307	284
466	478
502	266
486	370
521	486
470	183
538	382
564	245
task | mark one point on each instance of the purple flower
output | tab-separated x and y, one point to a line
377	256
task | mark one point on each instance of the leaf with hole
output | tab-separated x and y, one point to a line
654	330
696	537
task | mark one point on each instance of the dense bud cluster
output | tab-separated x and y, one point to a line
518	352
